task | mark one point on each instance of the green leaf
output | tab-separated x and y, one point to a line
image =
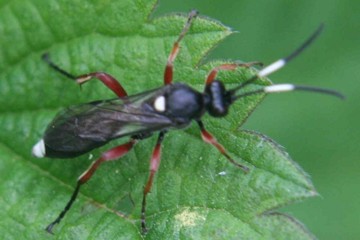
197	193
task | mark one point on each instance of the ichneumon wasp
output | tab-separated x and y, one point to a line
82	128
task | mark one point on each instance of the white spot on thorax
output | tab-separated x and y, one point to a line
159	104
39	149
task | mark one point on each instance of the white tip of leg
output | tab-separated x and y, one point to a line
272	68
279	88
39	149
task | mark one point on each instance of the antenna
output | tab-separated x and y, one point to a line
275	66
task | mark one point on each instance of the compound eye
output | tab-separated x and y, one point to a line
159	104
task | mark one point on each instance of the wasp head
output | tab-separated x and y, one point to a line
218	99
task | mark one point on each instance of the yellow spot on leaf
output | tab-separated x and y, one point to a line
188	218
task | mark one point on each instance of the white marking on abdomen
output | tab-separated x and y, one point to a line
39	149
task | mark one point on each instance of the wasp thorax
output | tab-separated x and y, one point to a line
184	102
218	102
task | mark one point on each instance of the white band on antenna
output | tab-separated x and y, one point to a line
272	68
279	88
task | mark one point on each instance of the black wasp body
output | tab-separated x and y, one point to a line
82	128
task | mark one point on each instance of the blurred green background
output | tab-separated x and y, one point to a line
319	132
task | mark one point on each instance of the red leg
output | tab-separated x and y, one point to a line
154	166
229	66
112	154
209	138
168	74
105	78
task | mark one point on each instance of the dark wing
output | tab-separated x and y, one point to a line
79	129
